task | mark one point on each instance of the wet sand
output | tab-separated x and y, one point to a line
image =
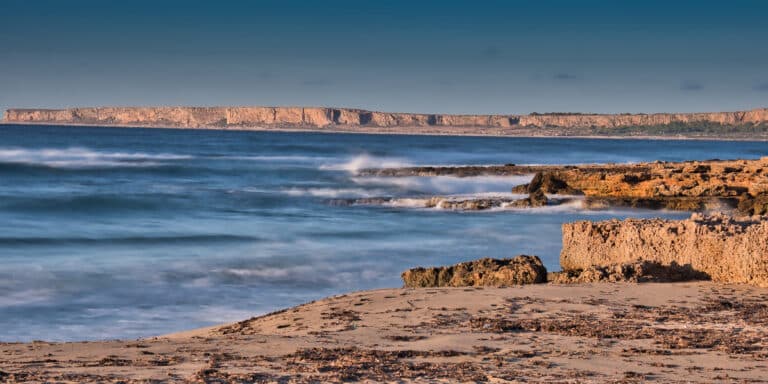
681	332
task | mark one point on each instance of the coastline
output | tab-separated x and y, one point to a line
404	131
617	332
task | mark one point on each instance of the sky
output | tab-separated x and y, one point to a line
505	57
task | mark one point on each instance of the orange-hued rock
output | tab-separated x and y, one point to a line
216	117
689	185
660	179
317	117
289	115
250	115
728	250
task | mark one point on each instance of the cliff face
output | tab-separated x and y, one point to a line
244	117
728	250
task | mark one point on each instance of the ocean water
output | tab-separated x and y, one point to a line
122	233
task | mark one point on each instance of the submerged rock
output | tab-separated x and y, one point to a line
519	270
640	271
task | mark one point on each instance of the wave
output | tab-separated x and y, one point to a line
276	158
446	185
332	192
75	158
355	164
126	240
25	297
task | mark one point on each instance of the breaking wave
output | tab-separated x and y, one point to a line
364	161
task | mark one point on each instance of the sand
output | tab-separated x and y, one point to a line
681	332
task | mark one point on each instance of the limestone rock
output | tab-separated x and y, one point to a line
639	271
198	117
519	270
729	250
757	205
691	185
550	183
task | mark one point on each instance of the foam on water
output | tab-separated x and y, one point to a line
445	185
83	158
363	161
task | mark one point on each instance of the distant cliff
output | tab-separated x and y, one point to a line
329	118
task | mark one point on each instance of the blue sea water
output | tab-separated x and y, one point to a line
121	233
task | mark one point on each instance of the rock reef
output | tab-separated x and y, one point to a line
690	185
519	270
728	250
321	117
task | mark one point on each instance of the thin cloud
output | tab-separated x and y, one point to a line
762	87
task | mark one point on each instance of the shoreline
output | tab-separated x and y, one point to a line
601	332
402	131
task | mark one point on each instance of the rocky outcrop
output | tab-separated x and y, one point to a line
640	271
318	117
691	185
519	270
729	250
547	182
536	199
754	205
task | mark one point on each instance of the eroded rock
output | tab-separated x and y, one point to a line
640	271
192	117
753	205
546	182
729	250
519	270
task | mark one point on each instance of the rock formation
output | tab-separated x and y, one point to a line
754	205
519	270
640	271
690	185
729	250
318	117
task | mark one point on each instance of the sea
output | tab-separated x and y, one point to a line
110	233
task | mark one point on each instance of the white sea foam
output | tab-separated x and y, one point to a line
83	158
446	184
25	297
355	164
407	203
333	192
275	158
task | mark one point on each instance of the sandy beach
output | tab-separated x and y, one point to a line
676	332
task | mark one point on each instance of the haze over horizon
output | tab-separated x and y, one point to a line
491	57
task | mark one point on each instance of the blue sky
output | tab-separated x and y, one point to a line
410	56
